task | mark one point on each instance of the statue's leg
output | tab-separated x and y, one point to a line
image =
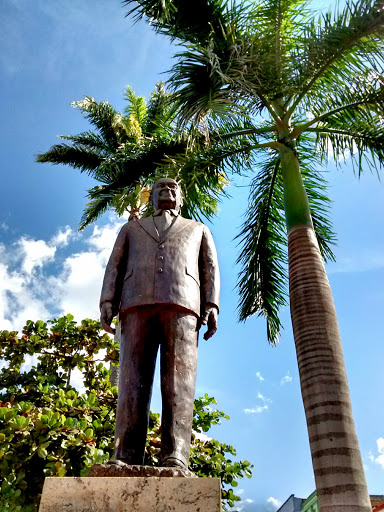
178	379
138	349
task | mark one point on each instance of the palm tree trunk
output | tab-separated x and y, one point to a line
337	464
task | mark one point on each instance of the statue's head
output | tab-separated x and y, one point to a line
166	194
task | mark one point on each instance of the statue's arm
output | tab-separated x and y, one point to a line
209	283
113	278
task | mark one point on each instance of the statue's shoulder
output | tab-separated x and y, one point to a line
134	224
193	225
190	222
144	221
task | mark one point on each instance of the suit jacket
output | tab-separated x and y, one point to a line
179	267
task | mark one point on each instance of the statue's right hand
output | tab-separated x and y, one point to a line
106	317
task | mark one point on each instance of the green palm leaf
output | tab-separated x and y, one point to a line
87	160
188	21
89	140
355	134
160	113
317	191
102	115
333	47
263	276
136	105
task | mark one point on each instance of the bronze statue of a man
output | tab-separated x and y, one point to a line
163	280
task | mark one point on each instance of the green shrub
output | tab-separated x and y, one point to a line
48	428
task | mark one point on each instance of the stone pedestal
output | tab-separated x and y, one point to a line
130	494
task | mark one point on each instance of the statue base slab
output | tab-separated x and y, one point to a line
121	469
130	494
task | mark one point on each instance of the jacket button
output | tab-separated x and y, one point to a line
160	270
161	246
160	257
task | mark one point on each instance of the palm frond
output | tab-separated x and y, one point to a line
354	134
135	163
203	193
364	91
273	35
262	280
90	140
198	87
110	196
242	127
87	160
94	210
187	21
161	112
136	106
336	45
317	191
102	115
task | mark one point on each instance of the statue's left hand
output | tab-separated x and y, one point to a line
210	318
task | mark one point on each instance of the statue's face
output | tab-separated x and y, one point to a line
166	194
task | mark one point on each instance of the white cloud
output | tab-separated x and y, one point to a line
241	506
380	448
18	300
103	238
274	503
256	410
31	290
263	398
286	379
259	376
63	236
35	254
203	437
79	284
260	408
77	380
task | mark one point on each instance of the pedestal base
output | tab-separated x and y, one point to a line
124	494
130	470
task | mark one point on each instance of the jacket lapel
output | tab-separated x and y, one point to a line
176	226
149	227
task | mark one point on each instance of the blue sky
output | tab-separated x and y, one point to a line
59	52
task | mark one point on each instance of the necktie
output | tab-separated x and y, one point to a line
163	221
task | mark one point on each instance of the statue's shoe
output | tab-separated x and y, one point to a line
172	462
178	465
117	462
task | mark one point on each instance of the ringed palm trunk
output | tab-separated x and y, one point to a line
336	458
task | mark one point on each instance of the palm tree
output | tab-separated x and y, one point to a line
278	88
124	154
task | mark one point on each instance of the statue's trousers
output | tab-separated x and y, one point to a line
143	330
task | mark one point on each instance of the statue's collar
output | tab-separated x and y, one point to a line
149	226
172	211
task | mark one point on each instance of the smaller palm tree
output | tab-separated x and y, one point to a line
125	152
